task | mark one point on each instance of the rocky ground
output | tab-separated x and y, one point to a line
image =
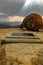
20	53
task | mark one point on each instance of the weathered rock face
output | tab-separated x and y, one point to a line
23	54
32	22
2	56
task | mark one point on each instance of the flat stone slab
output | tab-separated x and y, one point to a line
24	54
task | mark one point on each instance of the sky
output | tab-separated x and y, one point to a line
16	10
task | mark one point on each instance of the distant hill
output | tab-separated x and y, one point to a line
10	24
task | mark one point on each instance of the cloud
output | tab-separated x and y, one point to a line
15	18
12	19
1	13
35	6
13	7
3	19
42	18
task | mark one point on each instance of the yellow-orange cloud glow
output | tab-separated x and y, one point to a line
15	18
42	19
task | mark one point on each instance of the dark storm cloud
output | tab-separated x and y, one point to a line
13	7
34	8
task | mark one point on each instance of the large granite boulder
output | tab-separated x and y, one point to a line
32	22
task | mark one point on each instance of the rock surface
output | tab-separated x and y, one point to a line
32	22
2	56
24	54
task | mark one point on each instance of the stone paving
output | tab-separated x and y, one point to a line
21	53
